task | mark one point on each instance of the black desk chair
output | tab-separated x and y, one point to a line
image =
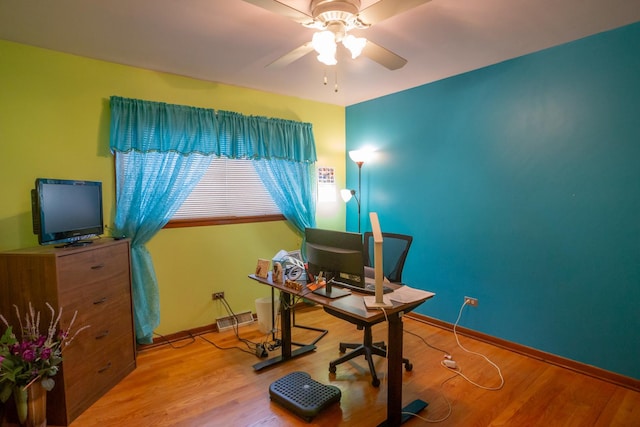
395	248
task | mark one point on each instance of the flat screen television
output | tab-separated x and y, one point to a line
66	212
337	254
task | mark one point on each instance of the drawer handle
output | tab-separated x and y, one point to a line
104	368
100	301
102	334
97	267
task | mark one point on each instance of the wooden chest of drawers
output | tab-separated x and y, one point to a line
95	280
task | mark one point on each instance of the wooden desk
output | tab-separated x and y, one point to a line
353	306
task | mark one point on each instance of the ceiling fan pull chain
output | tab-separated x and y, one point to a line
335	89
325	77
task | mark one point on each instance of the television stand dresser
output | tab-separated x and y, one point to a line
95	280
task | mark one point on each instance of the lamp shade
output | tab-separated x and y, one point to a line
360	156
354	44
346	194
324	42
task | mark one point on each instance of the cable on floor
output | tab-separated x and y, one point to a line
251	346
170	343
226	348
427	343
457	369
449	406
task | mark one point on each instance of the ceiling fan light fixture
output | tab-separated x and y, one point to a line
328	59
324	42
354	44
327	11
340	17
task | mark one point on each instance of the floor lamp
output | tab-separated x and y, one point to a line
359	157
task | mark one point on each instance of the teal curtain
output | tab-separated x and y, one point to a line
292	187
164	150
150	189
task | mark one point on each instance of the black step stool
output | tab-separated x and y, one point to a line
302	395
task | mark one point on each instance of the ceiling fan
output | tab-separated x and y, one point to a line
334	19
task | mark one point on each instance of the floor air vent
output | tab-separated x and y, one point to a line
229	322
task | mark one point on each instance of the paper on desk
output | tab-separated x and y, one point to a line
406	294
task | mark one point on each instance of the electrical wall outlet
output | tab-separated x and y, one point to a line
217	295
473	302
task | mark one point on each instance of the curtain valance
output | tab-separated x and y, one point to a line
148	126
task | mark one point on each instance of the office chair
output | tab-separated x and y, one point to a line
395	248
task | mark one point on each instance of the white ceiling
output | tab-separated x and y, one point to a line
231	41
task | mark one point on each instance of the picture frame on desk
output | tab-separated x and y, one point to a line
262	269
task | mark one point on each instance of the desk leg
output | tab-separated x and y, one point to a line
273	314
287	354
285	318
394	368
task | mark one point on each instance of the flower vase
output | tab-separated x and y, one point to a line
31	405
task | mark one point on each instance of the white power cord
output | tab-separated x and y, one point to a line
449	406
453	366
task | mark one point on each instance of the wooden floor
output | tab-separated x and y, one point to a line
194	383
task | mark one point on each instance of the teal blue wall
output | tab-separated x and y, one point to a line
521	185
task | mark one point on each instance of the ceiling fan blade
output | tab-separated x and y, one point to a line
282	9
386	9
383	56
292	56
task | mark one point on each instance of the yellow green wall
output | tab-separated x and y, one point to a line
54	123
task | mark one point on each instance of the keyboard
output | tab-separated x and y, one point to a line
369	288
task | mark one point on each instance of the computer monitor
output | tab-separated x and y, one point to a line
337	254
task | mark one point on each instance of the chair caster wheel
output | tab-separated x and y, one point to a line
408	367
375	382
332	369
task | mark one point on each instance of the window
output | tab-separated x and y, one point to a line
230	192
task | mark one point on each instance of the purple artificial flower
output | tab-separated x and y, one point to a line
16	349
46	353
35	355
29	355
